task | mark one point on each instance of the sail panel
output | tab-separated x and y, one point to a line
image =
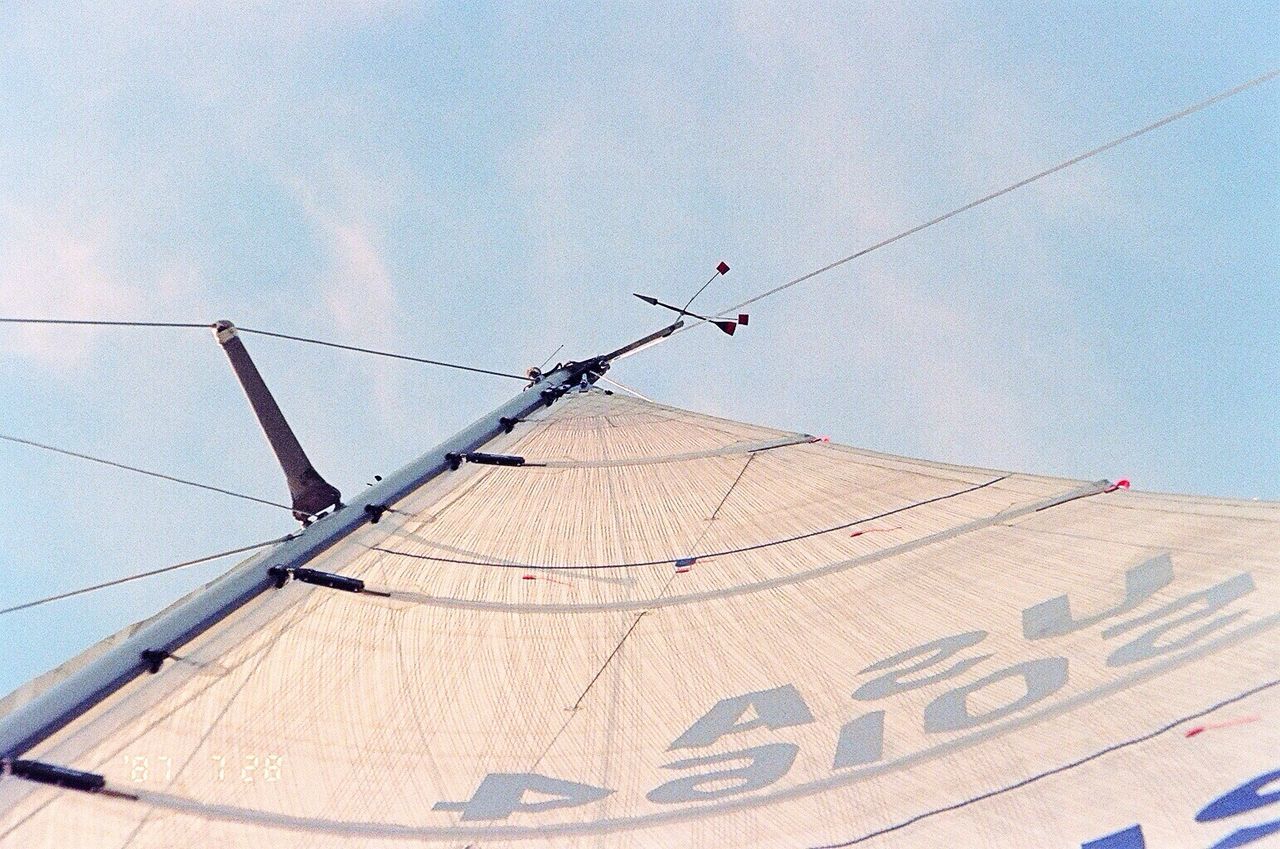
669	635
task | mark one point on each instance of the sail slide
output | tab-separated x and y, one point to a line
621	624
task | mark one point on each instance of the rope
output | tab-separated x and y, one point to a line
113	464
1026	181
139	575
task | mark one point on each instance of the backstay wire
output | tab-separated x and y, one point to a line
1026	181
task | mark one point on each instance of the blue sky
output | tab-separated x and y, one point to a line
489	183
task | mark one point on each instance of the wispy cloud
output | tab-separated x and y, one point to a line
49	269
831	133
357	289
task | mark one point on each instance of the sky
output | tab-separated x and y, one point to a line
484	183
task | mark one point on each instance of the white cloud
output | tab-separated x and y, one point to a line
50	269
358	294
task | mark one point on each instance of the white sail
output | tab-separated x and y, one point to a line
667	629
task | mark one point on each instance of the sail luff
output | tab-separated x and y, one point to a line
50	711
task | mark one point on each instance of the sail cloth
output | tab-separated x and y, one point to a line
856	649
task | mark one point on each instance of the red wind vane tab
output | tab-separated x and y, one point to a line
874	531
723	268
727	326
743	318
1230	723
545	578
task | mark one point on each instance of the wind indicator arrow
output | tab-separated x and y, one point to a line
726	325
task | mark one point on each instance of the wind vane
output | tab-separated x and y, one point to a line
728	325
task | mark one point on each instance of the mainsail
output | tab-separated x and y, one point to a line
624	624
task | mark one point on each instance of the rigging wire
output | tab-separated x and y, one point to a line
148	574
1026	181
1067	163
306	339
103	323
626	388
377	353
42	446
